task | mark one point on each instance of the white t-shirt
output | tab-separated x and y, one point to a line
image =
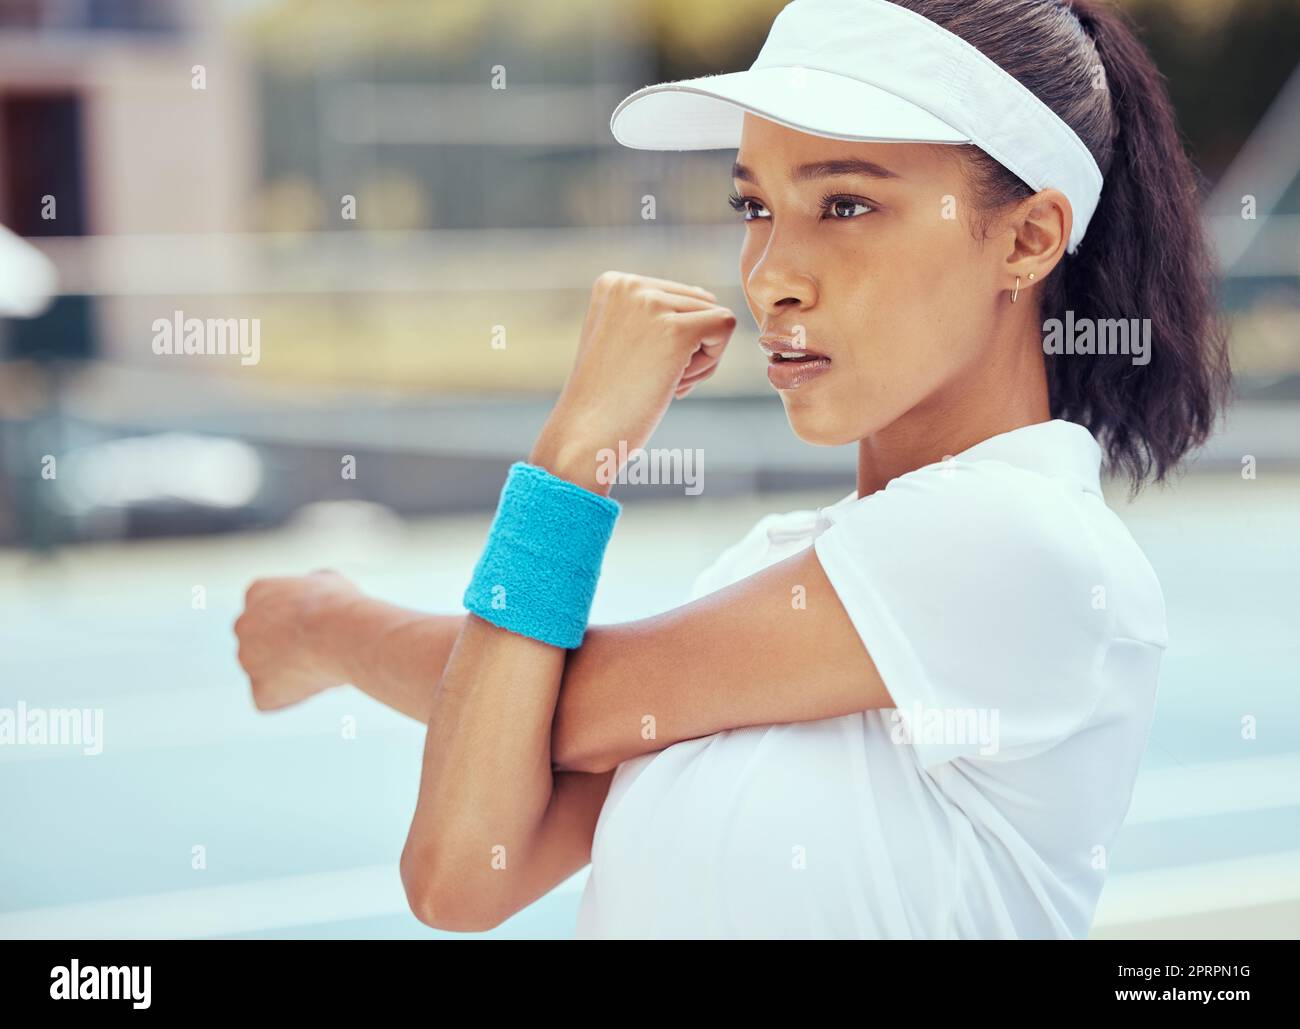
1019	630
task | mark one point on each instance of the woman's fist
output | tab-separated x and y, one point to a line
644	341
280	640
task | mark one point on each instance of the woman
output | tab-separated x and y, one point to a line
918	711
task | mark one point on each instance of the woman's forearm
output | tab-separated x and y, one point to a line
397	656
491	825
391	653
472	853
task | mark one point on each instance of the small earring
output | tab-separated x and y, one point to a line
1016	293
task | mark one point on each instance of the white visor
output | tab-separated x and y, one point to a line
871	71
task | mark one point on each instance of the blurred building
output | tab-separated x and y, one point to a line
117	118
1254	218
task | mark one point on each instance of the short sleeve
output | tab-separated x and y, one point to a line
974	588
722	571
748	554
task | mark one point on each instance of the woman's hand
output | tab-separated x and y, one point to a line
279	636
644	341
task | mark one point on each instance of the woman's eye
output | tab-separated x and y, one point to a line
842	208
834	208
746	206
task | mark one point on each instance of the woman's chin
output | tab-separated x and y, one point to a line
814	428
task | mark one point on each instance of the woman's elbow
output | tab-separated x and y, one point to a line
575	744
574	759
567	757
442	902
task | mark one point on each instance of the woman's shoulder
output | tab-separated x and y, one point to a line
968	502
1000	525
755	545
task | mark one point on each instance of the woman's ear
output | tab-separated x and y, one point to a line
1040	226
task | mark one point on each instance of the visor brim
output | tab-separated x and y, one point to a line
707	113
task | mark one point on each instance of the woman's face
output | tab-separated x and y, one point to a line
877	267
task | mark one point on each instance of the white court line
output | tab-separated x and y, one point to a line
373	891
1199	889
368	892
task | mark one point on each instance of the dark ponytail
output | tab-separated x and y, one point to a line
1145	255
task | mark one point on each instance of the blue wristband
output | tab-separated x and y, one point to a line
537	574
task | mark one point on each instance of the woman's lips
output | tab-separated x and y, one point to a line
791	362
784	373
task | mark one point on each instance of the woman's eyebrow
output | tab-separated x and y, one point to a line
823	170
